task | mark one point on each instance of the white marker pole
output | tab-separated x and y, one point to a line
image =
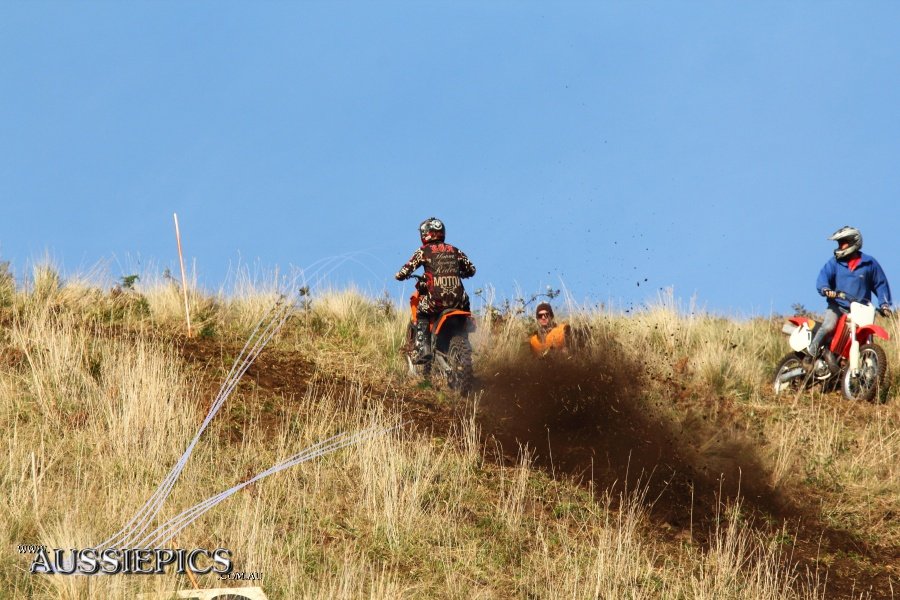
187	311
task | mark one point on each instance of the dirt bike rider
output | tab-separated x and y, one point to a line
445	266
550	336
856	274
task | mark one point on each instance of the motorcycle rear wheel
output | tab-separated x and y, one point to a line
869	384
789	363
460	378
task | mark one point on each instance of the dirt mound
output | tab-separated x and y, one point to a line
590	419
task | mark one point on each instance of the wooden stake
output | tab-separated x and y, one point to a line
190	573
187	311
193	579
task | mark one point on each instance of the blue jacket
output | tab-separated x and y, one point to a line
868	277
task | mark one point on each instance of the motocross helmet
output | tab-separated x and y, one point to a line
848	234
432	230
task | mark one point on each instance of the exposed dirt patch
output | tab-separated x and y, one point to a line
11	358
272	375
279	373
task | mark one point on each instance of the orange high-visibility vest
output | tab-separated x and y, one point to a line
555	340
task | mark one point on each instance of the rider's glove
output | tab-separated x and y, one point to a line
399	277
886	311
829	293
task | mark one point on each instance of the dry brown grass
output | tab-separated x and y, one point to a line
102	406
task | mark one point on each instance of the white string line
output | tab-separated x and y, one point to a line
264	318
174	526
330	264
170	481
274	319
323	263
171	528
352	258
152	506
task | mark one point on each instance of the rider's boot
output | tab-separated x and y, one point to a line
809	357
423	341
820	360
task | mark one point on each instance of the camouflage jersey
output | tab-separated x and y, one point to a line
445	267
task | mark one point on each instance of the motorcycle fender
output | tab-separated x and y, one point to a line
800	321
866	331
469	322
801	338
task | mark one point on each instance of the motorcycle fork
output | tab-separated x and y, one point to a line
854	352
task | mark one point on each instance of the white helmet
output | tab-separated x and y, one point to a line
850	235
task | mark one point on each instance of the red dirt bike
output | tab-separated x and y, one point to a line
451	350
861	365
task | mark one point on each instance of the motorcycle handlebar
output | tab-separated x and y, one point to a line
849	298
421	283
884	311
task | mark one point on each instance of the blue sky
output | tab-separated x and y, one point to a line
708	146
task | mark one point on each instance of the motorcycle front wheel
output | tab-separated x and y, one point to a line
869	383
790	374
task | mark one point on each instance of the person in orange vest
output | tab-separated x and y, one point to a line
550	338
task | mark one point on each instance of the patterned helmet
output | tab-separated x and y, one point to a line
432	230
848	234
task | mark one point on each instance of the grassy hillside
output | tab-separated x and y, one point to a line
656	464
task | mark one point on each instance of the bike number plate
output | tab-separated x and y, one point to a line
800	339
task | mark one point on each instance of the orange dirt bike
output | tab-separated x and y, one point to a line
451	352
860	367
